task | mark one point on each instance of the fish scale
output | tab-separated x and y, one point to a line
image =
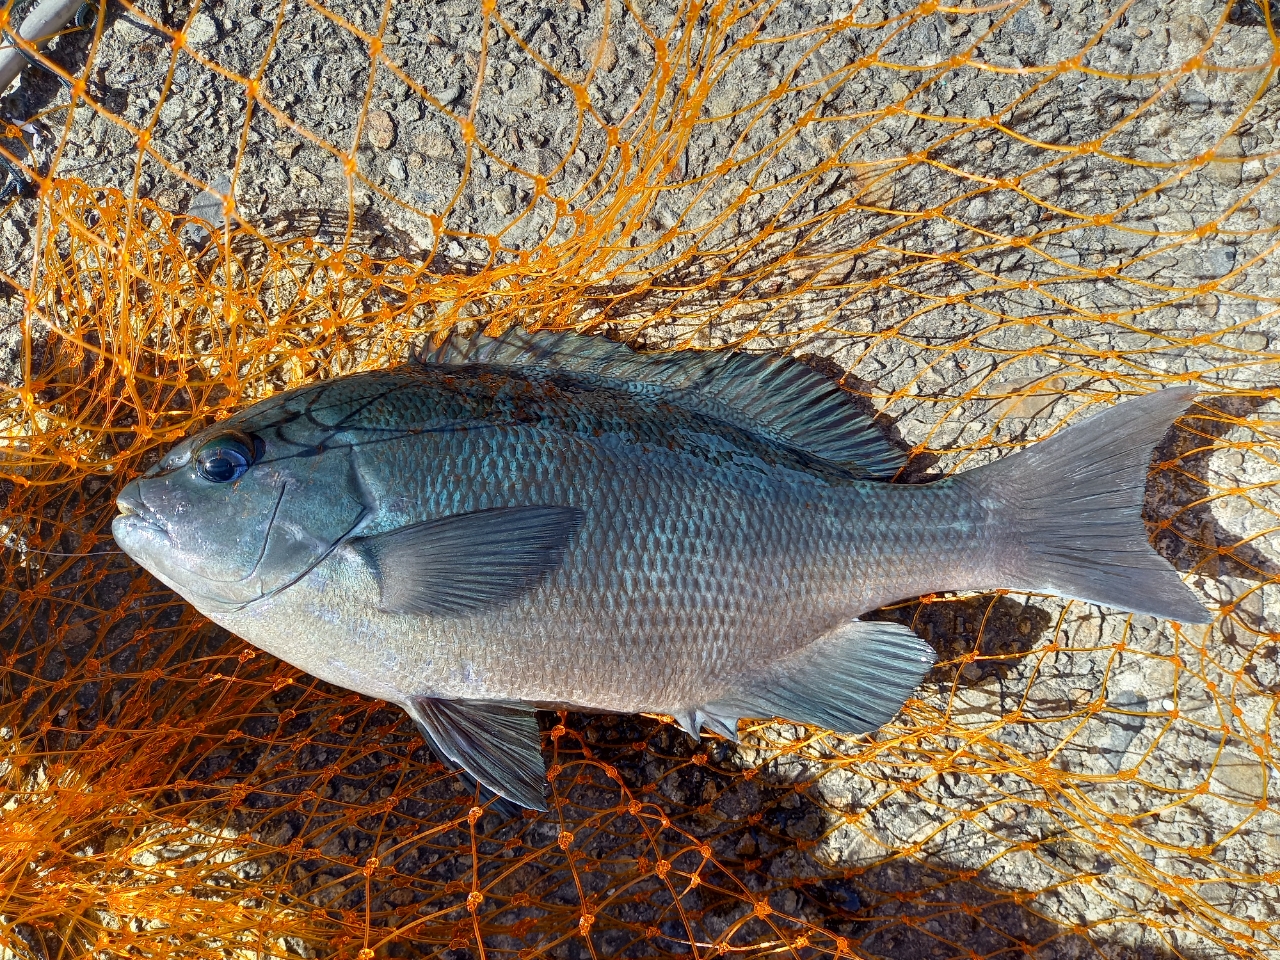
546	520
659	569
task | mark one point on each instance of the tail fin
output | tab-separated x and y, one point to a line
1071	507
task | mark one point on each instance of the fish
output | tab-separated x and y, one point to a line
553	520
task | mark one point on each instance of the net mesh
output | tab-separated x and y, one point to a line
987	220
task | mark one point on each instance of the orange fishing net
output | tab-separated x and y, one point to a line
986	218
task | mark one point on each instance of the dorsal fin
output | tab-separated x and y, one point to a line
771	394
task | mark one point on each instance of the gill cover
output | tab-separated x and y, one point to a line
248	506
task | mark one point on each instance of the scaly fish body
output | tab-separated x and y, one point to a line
520	526
703	552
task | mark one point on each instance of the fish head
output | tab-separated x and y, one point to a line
244	508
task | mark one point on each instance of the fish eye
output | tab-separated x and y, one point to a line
225	458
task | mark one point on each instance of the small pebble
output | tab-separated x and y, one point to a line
608	56
1207	304
202	30
380	129
435	145
304	178
395	167
504	198
1166	705
1228	169
1218	261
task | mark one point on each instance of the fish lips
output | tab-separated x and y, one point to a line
136	524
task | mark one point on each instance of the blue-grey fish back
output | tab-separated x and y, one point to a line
770	394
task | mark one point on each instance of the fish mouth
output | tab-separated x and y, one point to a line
134	512
129	503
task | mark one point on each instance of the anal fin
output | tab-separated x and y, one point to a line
852	680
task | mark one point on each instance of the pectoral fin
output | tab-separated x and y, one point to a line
852	680
496	741
469	562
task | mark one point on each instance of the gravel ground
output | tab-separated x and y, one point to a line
319	75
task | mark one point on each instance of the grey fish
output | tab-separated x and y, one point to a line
553	520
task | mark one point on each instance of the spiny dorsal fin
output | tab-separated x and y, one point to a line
771	394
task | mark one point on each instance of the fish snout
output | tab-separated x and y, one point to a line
134	511
129	500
